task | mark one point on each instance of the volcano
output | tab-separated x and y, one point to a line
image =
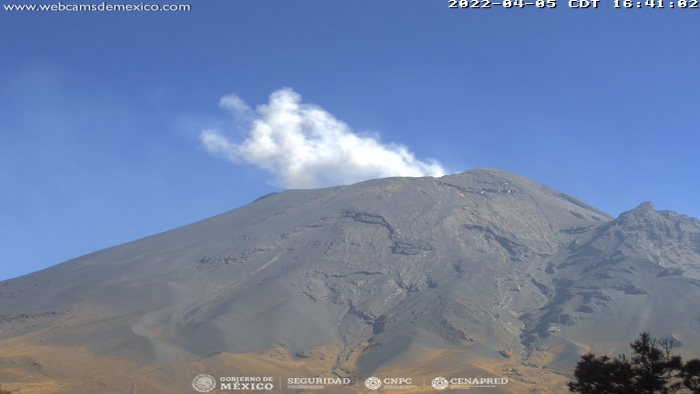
482	274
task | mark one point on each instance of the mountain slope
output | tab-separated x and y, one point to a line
482	272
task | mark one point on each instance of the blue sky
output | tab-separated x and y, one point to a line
102	114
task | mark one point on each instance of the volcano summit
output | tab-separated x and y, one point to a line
482	274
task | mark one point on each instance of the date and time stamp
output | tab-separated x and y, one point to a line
622	4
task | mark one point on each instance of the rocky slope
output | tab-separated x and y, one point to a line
478	273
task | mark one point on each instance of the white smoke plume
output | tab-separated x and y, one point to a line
304	146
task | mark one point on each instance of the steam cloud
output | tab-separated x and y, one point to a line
304	146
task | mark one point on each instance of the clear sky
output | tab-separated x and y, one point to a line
119	125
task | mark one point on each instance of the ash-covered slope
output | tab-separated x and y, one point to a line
484	263
639	272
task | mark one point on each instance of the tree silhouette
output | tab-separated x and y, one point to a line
691	376
653	364
652	369
602	375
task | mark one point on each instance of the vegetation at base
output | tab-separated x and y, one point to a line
4	391
651	369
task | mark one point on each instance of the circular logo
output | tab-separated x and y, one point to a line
439	383
373	383
204	383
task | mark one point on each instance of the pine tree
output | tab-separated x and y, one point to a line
691	376
652	369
